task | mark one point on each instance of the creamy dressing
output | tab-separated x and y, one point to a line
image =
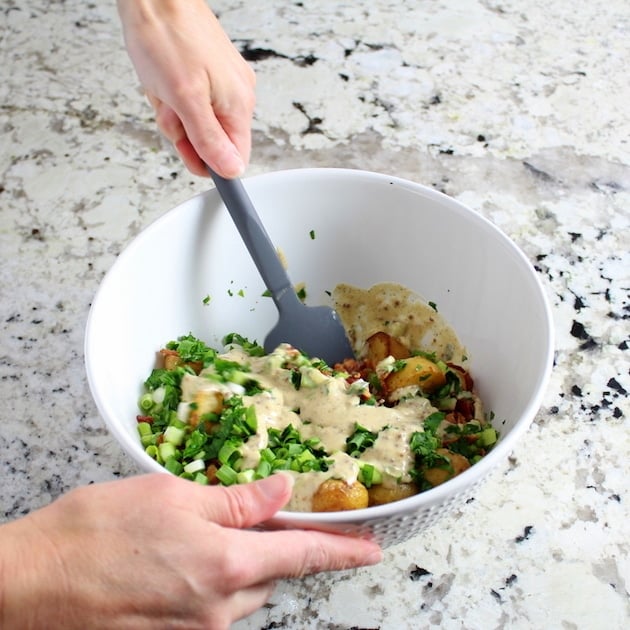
328	410
393	309
327	407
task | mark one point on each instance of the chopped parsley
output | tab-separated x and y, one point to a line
191	350
251	347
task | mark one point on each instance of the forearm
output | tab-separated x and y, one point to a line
136	13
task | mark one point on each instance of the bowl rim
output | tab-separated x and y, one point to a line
425	499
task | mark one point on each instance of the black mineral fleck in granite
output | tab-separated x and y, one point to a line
538	173
260	54
613	383
417	573
313	122
527	531
510	580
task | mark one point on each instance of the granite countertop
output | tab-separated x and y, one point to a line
518	109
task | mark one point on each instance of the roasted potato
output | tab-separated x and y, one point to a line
380	345
380	494
418	371
335	495
206	401
172	360
457	464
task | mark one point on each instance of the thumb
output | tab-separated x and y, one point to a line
245	505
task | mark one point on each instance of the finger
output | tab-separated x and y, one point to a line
201	138
247	600
168	121
211	146
172	128
190	157
211	140
294	553
239	135
246	505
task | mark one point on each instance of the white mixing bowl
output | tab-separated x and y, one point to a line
333	226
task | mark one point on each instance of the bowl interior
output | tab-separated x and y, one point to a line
332	226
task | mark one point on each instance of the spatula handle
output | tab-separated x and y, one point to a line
254	236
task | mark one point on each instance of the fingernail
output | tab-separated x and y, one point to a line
276	486
233	164
374	557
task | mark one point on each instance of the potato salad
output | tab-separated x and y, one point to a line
392	422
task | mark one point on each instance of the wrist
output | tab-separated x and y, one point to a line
26	579
143	10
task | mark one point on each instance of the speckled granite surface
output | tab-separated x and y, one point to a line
518	109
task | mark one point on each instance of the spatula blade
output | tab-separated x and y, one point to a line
317	331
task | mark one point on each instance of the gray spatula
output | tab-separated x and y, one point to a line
315	330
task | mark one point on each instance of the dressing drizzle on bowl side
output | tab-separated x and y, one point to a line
394	309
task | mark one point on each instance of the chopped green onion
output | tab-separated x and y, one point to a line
152	451
201	478
488	436
369	475
227	475
173	466
229	453
146	402
195	466
361	439
246	476
166	450
144	428
174	435
263	469
147	440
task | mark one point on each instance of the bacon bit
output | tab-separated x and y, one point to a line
464	377
455	417
355	376
211	473
465	407
352	366
147	419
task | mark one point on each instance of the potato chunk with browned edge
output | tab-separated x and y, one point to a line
335	495
457	464
416	371
380	345
380	494
206	401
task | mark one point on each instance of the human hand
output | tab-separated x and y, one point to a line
200	86
156	551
